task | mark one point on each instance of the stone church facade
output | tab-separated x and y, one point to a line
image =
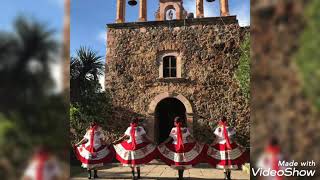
176	66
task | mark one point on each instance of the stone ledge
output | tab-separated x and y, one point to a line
174	80
175	23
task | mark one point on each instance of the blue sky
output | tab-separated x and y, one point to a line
49	12
89	18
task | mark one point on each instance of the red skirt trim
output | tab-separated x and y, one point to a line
127	145
106	159
170	148
227	160
144	159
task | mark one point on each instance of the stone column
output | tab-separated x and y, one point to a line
224	8
199	9
143	11
121	11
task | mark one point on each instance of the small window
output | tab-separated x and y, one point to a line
169	66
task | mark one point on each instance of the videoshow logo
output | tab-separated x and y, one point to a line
287	169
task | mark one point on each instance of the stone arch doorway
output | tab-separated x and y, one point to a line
166	110
165	105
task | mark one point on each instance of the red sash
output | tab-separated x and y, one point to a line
225	134
274	151
179	146
92	132
133	135
42	157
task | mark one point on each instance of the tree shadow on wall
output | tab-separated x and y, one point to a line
120	121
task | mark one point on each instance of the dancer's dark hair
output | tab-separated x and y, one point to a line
274	141
224	119
135	120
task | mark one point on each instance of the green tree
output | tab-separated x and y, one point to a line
26	55
85	69
243	71
307	57
88	101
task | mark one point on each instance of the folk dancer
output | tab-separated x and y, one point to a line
135	148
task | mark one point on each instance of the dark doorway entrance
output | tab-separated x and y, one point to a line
166	111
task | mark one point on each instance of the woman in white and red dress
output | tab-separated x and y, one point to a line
224	153
43	166
135	148
92	150
180	151
270	159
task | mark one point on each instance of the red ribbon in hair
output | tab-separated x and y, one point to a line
179	146
92	132
225	133
133	135
274	151
41	157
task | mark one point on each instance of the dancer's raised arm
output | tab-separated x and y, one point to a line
83	140
166	141
122	138
92	150
148	139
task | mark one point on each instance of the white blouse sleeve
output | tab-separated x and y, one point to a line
127	132
231	131
218	131
173	133
30	171
141	131
101	134
56	170
187	132
87	135
261	163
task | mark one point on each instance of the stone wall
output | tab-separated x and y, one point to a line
209	51
281	108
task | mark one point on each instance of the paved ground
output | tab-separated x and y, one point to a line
162	172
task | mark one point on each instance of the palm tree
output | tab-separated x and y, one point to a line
85	69
25	60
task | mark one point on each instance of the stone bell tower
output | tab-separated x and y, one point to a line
170	9
121	11
224	8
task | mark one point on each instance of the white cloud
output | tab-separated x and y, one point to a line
59	3
102	37
56	73
101	81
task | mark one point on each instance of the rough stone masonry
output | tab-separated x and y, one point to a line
208	50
